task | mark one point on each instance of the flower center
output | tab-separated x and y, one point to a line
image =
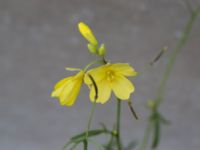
110	76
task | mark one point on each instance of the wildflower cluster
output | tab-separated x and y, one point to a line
108	77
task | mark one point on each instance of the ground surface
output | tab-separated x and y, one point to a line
39	38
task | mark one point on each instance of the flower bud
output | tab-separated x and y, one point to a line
151	104
87	33
92	48
102	50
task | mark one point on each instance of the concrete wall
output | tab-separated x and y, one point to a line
39	38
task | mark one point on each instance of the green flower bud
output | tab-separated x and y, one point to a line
151	104
92	48
102	50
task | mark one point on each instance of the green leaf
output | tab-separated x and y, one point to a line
81	137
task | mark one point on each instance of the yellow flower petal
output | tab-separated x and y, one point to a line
67	89
123	69
56	92
111	77
98	73
104	92
70	93
87	33
122	87
62	82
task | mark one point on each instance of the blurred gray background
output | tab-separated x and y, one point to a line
39	38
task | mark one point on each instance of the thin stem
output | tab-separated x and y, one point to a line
85	145
101	61
174	54
146	137
96	97
172	59
93	107
118	117
162	87
88	125
90	119
93	63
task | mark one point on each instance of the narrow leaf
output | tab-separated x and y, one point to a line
81	136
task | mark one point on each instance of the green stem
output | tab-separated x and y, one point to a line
102	61
174	54
85	144
89	124
146	137
172	59
90	119
96	96
93	107
118	117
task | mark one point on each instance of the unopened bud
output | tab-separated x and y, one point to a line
102	50
92	48
151	104
87	33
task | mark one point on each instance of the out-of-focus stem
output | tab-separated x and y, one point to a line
174	54
172	59
85	144
146	137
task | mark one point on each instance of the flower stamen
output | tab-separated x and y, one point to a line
110	76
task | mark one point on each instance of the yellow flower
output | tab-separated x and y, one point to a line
111	77
87	33
67	89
